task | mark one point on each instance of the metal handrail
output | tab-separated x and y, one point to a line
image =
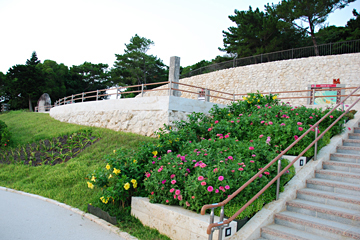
222	223
324	50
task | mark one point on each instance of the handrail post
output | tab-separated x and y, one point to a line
211	222
170	85
315	150
206	95
278	180
72	98
82	97
117	92
221	219
233	97
142	90
97	94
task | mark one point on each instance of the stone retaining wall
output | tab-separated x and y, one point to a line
287	75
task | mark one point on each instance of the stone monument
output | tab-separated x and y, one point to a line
174	75
44	103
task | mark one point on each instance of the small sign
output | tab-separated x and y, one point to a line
227	231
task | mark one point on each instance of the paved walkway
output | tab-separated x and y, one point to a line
31	217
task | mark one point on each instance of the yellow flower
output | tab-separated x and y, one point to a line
155	153
133	181
93	179
274	97
104	200
244	98
258	100
261	95
110	176
170	128
114	151
90	185
229	114
108	167
253	96
135	185
127	186
116	171
134	161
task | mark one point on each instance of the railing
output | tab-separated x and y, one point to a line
45	108
171	87
324	49
223	223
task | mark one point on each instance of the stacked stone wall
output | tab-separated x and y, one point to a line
287	75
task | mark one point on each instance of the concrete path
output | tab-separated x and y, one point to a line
31	217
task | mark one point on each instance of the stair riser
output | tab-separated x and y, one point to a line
272	237
354	192
327	201
356	130
351	144
354	137
338	178
348	151
341	168
326	216
344	159
310	229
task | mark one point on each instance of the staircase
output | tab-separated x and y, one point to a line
329	207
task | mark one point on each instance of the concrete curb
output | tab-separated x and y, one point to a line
99	221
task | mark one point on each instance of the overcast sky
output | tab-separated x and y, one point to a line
75	31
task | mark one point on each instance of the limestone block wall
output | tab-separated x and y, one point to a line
287	75
140	115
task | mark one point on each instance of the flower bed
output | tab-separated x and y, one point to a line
205	159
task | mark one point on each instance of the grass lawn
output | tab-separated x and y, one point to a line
66	182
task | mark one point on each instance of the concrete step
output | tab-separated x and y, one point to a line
314	225
333	186
356	129
342	166
331	213
354	136
351	142
345	157
329	198
338	176
278	232
348	150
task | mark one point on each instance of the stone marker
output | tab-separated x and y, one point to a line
44	103
174	75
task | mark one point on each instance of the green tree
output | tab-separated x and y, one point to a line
87	77
24	84
258	32
312	12
137	67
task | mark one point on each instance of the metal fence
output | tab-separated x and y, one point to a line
324	50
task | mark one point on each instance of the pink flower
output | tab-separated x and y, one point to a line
187	204
349	128
147	175
267	173
261	136
153	162
253	155
300	129
189	141
203	183
232	121
296	137
175	197
172	176
227	187
216	190
160	169
299	123
240	115
221	188
152	193
193	197
331	116
209	129
240	169
172	190
262	121
221	178
177	192
203	164
251	148
270	123
232	170
283	124
163	181
173	181
226	136
210	188
180	198
311	117
230	158
168	151
200	178
167	201
251	161
216	121
260	176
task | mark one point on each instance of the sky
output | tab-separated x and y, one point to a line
75	31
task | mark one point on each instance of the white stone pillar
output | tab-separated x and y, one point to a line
174	75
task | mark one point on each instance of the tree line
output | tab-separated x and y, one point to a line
288	24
